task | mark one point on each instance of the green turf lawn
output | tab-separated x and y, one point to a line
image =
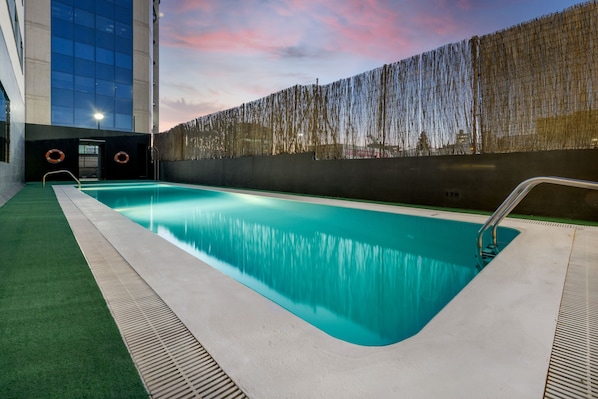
57	337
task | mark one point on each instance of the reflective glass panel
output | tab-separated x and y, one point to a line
123	122
85	35
62	80
62	11
85	51
62	97
62	63
84	18
124	90
85	67
85	101
62	115
105	72
85	84
104	56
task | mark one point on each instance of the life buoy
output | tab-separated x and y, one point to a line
121	157
51	156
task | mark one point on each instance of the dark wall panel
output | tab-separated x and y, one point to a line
36	164
479	182
39	139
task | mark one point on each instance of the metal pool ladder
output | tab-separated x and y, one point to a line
516	196
60	171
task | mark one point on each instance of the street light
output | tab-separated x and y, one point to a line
98	116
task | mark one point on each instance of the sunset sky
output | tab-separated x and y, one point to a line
218	54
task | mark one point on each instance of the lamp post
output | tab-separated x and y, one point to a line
98	116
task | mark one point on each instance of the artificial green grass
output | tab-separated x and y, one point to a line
57	337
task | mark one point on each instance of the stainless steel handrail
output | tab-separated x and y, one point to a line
60	171
156	161
518	194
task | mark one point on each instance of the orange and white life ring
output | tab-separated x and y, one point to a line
121	157
54	156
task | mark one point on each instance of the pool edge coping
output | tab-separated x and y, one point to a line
284	332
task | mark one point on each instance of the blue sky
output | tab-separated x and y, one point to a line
218	54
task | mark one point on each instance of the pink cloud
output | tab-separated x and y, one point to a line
442	25
181	7
244	40
372	28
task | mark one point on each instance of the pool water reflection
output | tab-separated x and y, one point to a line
366	277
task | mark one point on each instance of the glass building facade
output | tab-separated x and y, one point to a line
92	63
4	125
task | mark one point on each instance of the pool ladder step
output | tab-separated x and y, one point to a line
488	254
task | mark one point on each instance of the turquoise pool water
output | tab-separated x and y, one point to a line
366	277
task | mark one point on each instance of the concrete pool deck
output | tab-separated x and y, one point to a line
493	340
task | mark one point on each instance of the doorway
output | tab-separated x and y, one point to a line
90	159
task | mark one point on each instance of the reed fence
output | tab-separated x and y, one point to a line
531	87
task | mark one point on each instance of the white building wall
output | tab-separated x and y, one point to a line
142	66
12	173
37	63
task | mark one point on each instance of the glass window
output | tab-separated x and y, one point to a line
62	46
84	51
85	100
62	97
62	11
124	75
123	105
62	63
123	14
85	67
88	148
92	62
4	126
87	5
85	84
123	122
105	103
85	35
124	90
105	40
124	60
124	3
124	46
84	118
108	121
105	9
104	24
105	88
62	115
124	30
84	18
105	72
3	102
62	80
62	28
104	56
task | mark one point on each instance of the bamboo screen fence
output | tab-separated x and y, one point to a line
531	87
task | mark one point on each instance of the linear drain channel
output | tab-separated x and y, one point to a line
573	369
170	360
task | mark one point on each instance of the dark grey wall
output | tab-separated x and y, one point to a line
479	182
40	139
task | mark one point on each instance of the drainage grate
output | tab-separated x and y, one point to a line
170	360
573	369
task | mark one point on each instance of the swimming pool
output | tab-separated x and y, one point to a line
366	277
